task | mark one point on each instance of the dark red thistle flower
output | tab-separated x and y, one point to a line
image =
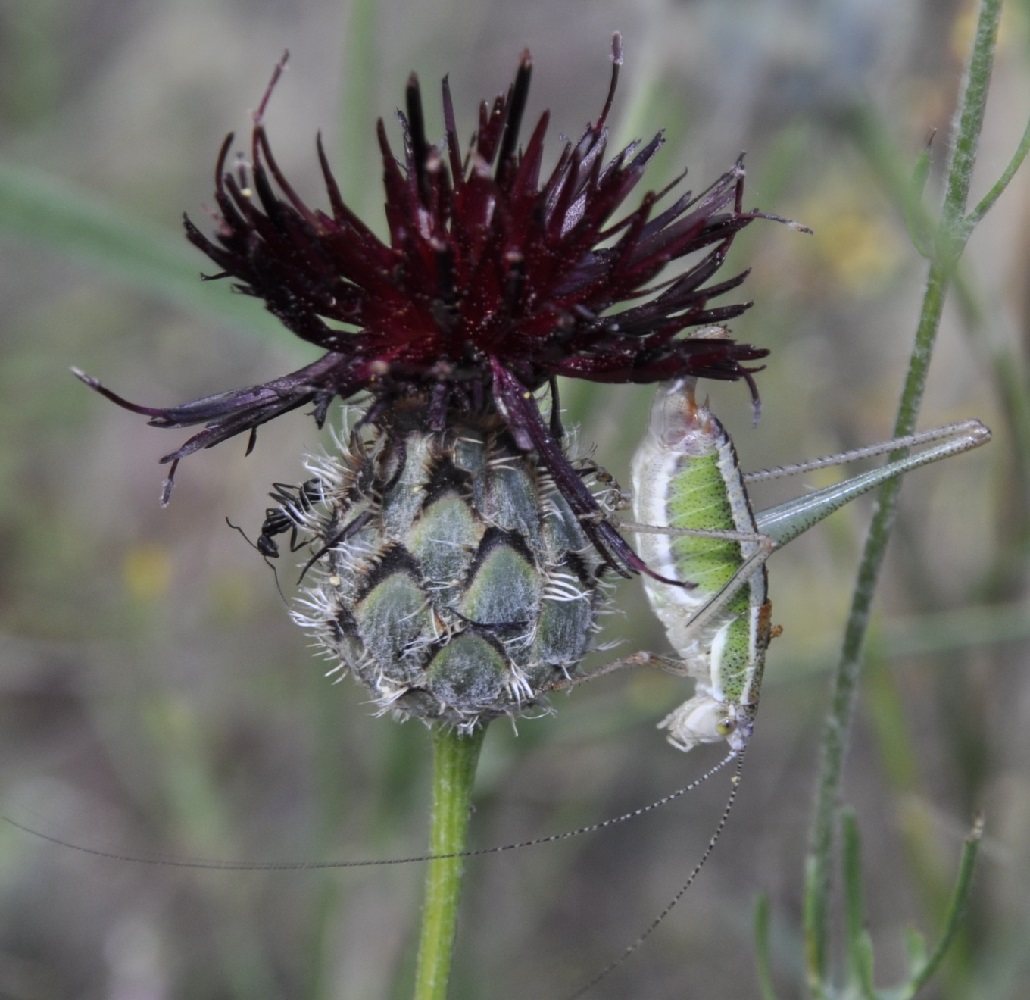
496	279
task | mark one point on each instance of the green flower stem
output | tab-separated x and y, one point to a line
454	769
950	240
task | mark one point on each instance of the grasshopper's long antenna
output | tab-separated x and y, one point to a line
292	866
680	893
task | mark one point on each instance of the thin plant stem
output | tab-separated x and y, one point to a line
455	757
950	240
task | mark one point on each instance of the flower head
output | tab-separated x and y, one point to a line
496	278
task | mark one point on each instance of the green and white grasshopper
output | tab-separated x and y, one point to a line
695	523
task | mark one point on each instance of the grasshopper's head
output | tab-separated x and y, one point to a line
703	719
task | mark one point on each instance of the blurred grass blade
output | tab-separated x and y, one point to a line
765	983
101	234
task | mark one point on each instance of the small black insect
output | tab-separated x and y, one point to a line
292	501
286	517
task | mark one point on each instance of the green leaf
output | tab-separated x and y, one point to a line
917	220
956	907
988	200
915	948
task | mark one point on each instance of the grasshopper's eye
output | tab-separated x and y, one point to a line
725	726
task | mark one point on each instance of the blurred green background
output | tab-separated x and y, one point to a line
154	697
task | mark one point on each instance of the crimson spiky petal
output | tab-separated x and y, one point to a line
494	280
